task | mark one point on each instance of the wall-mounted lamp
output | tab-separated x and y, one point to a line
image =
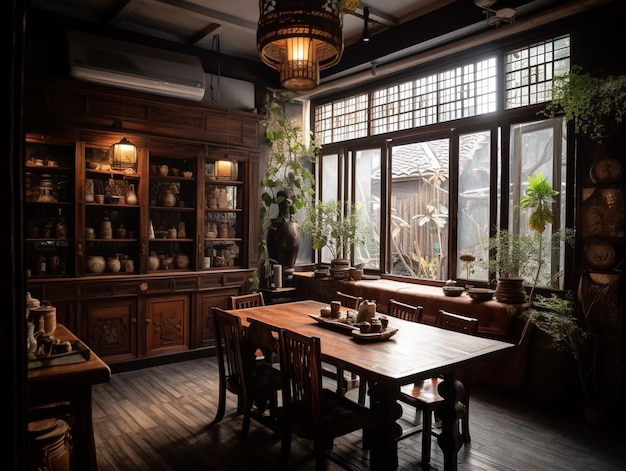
299	38
123	155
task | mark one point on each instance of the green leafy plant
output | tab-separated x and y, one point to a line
521	255
594	104
336	225
288	181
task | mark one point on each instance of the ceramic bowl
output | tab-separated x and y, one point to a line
481	294
453	290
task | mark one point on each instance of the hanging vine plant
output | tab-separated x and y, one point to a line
596	105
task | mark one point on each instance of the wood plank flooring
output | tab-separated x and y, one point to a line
155	419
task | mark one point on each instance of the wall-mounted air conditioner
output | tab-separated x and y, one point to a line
136	67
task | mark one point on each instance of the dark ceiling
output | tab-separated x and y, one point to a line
223	32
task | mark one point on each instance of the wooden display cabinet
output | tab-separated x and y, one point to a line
91	248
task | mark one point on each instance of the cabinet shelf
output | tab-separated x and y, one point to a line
224	210
175	209
113	205
215	182
168	239
114	240
92	173
50	204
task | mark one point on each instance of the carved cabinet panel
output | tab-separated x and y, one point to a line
167	324
206	332
111	327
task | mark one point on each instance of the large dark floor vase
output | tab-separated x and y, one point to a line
510	291
283	243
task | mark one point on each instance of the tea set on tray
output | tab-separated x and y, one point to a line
362	324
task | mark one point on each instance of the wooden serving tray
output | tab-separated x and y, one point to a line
374	336
80	353
334	324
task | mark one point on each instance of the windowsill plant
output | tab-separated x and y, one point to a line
335	225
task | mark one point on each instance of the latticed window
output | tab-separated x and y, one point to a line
417	188
528	72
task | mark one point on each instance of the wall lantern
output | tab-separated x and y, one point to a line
299	38
226	169
123	155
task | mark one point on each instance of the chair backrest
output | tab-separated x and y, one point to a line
230	347
450	321
348	300
243	301
405	311
301	369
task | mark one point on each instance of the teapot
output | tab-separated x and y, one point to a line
367	311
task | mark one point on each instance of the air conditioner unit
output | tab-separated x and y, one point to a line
135	67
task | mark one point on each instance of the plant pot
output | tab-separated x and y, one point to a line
283	243
340	268
510	291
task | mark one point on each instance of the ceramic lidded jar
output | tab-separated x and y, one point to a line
181	261
114	265
96	264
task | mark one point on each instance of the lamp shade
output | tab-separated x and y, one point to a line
123	155
299	38
226	169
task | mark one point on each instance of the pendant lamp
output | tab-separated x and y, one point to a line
299	38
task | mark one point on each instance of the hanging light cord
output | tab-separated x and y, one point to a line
216	48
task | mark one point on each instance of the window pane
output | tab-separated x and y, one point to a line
540	147
529	71
367	191
329	188
473	217
419	209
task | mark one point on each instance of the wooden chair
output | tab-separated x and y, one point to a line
256	384
311	411
347	300
425	397
405	311
243	301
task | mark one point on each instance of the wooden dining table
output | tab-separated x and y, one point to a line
68	386
415	352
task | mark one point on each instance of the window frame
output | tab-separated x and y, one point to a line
498	123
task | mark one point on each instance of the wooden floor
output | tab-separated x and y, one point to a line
155	419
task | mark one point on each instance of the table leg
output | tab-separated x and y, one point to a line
383	440
450	411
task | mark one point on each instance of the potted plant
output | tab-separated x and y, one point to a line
287	184
517	258
338	226
595	104
570	327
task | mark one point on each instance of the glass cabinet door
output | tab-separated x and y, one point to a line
112	216
49	209
223	214
172	210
